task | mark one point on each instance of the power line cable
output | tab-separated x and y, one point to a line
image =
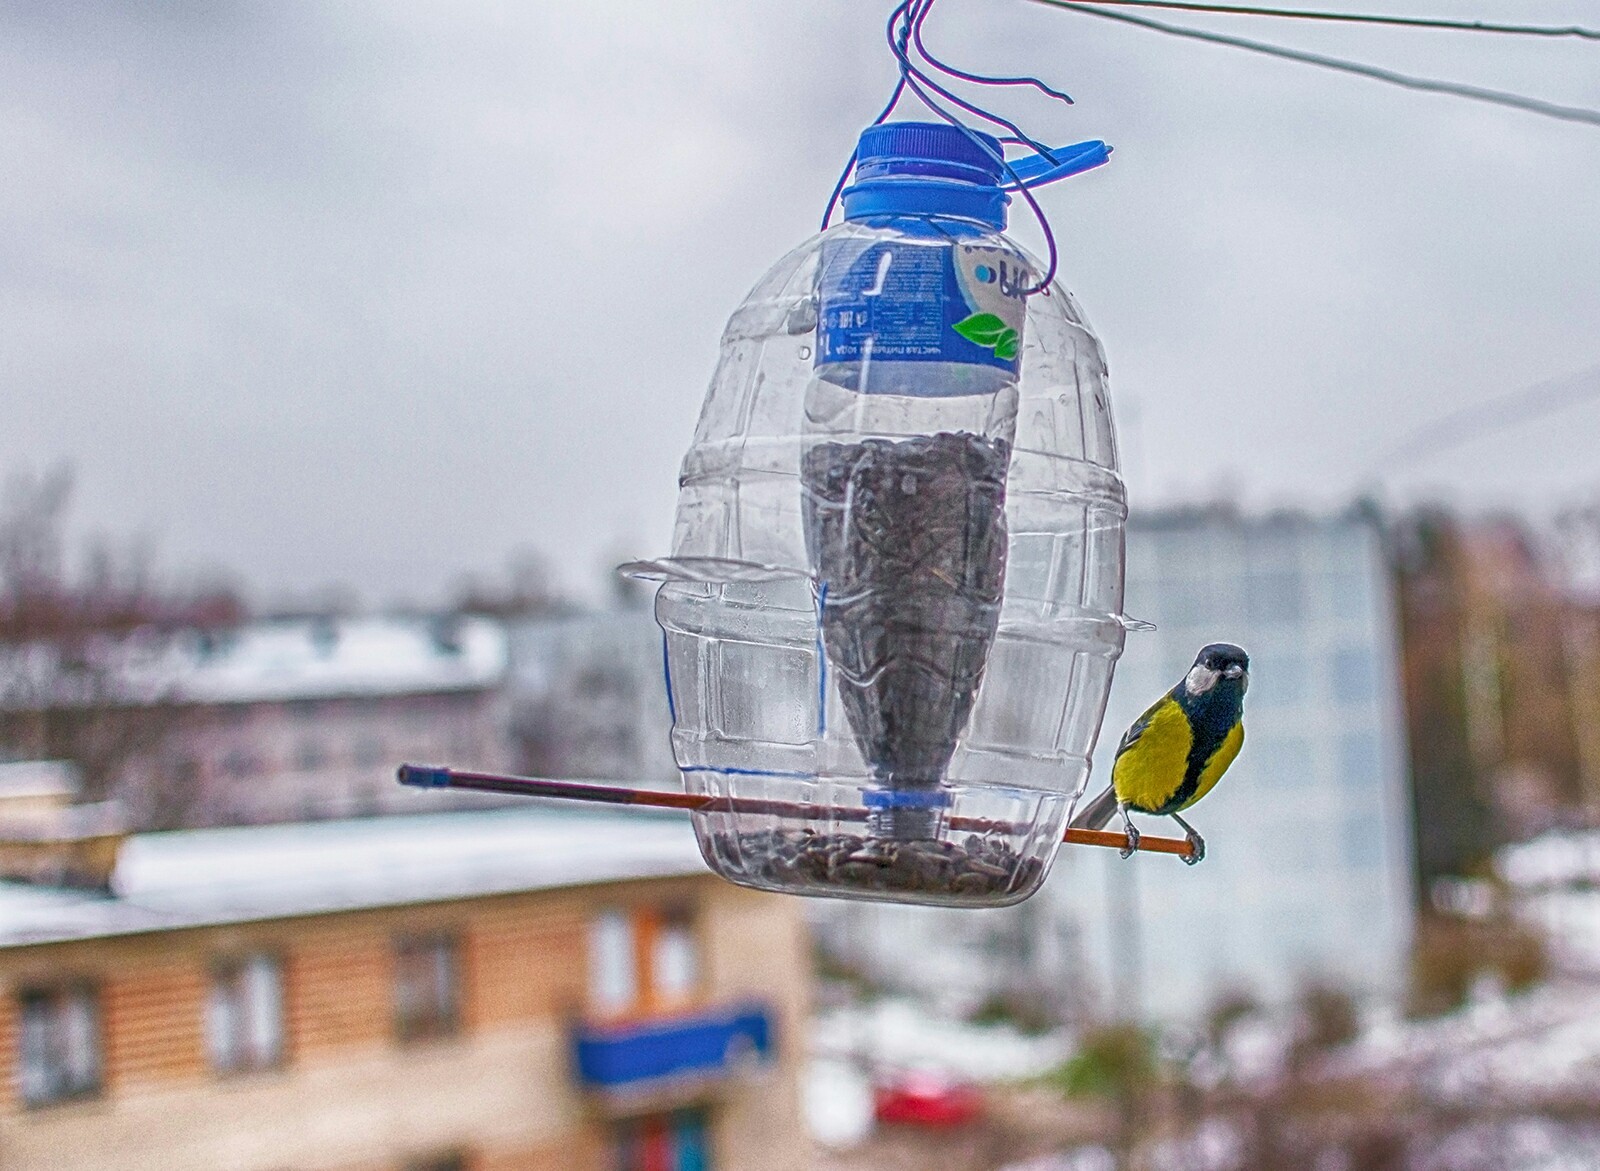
1477	26
1497	414
1340	65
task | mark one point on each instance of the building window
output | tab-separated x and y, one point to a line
1363	841
1274	596
185	773
369	752
613	963
1354	676
240	763
680	1141
448	1161
1360	760
1284	760
244	1015
644	959
427	1001
1189	601
59	1052
674	956
310	756
1351	593
1278	680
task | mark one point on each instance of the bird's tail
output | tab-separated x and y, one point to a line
1097	814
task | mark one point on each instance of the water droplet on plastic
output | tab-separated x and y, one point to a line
1130	623
805	353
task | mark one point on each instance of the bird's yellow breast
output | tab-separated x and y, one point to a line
1148	774
1212	772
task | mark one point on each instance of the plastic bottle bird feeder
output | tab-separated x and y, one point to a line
893	603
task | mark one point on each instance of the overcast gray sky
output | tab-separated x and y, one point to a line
375	293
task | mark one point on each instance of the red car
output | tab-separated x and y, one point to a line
927	1099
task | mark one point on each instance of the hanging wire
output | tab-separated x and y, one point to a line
1022	188
844	175
1473	26
1341	65
979	78
894	100
916	11
904	32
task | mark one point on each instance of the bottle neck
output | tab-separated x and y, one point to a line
901	196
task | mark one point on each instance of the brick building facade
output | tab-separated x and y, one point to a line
497	991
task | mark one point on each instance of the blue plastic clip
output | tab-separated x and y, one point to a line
1035	170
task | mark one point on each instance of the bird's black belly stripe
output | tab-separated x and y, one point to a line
1209	733
1191	780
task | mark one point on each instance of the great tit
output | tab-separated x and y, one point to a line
1174	753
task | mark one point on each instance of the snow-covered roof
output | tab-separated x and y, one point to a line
38	778
1560	858
198	878
323	658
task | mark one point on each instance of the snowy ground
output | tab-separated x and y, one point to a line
899	1034
1506	1084
855	1044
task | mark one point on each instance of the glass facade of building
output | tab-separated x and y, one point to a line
1308	869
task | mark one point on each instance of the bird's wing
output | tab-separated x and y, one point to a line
1139	726
1097	814
1153	760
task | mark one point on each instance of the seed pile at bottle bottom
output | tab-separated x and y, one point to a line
973	866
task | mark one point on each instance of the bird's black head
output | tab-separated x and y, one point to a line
1222	664
1219	656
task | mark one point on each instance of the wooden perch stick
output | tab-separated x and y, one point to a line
430	777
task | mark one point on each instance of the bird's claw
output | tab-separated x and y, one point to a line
1197	848
1133	842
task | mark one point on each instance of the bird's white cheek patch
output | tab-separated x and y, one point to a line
1200	679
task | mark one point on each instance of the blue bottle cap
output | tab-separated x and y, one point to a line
931	149
927	168
934	168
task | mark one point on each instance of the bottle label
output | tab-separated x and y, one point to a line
902	301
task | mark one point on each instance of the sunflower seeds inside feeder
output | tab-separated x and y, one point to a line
909	537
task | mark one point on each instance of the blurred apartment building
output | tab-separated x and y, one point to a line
1309	864
307	718
510	990
588	697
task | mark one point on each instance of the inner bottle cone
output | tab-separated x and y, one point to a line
908	541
